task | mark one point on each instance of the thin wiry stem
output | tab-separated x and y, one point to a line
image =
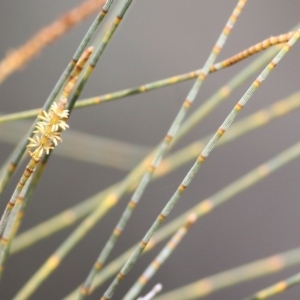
163	255
252	122
223	93
40	144
202	208
54	260
276	288
46	138
47	135
70	216
12	162
160	83
200	160
126	155
162	149
206	286
17	216
271	41
98	52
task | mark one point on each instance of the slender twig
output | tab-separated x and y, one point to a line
202	208
163	255
160	83
47	134
52	263
98	52
206	286
223	93
220	95
260	118
239	128
17	215
276	288
70	217
12	162
200	160
162	149
271	41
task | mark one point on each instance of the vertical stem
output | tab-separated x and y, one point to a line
27	173
162	149
192	172
160	258
54	260
12	162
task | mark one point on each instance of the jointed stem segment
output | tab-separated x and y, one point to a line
161	83
47	136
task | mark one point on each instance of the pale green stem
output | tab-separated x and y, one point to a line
190	175
12	162
206	286
162	149
70	216
276	288
203	208
163	255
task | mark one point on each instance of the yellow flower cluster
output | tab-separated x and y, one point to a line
47	130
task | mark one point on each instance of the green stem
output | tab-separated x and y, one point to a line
200	160
206	286
159	154
276	288
202	208
12	162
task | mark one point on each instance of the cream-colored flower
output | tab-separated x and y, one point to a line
47	130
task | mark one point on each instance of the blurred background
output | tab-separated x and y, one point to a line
159	39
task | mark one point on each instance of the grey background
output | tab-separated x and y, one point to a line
159	39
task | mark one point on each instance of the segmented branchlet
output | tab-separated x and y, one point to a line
48	129
46	136
271	41
163	255
259	47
